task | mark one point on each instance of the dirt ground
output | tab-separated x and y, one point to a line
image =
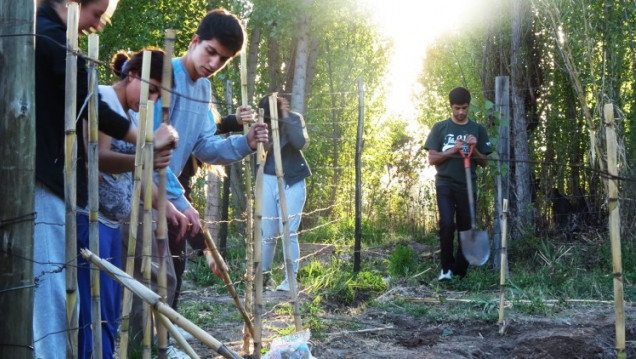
581	330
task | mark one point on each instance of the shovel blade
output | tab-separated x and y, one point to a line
475	246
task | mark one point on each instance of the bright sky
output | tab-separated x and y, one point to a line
412	25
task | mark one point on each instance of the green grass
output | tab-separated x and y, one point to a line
544	275
200	274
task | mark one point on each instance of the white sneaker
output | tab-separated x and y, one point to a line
284	286
176	353
445	276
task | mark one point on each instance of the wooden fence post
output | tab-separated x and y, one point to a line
358	199
17	131
502	188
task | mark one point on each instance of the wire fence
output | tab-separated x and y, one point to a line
559	207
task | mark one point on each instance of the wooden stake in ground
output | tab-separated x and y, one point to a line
225	275
257	311
93	193
503	267
615	229
153	299
291	276
70	179
17	131
146	261
162	224
357	260
134	219
249	238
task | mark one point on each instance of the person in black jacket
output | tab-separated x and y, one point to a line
49	307
293	139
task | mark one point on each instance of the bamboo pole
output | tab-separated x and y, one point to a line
257	310
134	214
153	299
212	254
615	229
162	223
70	180
249	238
166	323
146	262
291	276
504	266
93	194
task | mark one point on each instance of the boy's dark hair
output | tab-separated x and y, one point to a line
122	65
264	104
459	96
223	26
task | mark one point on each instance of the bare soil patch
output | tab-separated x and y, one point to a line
581	330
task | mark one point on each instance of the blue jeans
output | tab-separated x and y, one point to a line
272	225
110	290
454	215
49	298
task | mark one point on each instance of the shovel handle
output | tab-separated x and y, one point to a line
467	156
469	185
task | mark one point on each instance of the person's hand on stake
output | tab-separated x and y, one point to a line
193	219
176	218
165	137
244	114
258	133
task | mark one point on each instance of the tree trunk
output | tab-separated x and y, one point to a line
301	59
312	65
225	206
212	202
522	203
252	62
335	133
17	114
237	185
273	65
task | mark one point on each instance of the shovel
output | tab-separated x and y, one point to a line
475	244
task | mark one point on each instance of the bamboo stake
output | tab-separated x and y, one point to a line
257	310
503	268
213	252
162	224
93	194
249	239
70	180
291	276
134	214
615	229
146	261
165	322
153	299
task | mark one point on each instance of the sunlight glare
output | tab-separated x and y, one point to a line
412	25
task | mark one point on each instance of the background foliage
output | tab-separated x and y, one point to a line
397	187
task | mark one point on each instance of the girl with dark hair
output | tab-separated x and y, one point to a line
116	161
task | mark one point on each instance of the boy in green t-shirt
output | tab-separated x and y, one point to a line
446	139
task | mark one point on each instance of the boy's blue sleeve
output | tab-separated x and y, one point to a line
158	117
